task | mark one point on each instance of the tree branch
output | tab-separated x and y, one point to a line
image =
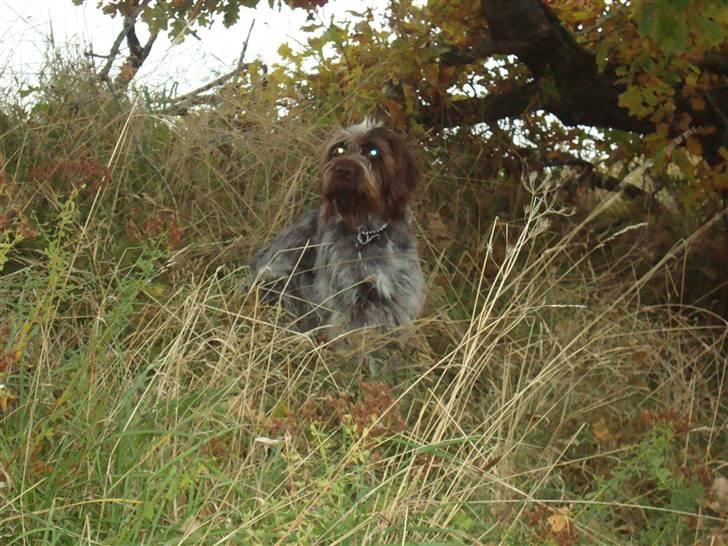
193	97
590	176
715	63
581	94
568	81
137	53
483	109
577	93
480	51
114	52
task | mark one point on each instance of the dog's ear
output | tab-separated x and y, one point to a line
405	177
407	170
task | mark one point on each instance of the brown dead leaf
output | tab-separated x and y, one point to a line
697	103
718	497
559	520
601	431
694	146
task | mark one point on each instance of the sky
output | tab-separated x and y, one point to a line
27	27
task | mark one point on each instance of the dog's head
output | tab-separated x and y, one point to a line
367	172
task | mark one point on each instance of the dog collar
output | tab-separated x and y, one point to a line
365	236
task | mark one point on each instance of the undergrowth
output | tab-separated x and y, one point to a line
147	399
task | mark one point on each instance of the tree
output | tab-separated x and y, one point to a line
533	77
540	82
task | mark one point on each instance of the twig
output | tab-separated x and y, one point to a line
189	97
245	45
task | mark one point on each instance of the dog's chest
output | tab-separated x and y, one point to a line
357	271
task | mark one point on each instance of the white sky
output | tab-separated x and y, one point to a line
28	26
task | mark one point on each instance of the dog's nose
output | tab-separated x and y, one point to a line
344	171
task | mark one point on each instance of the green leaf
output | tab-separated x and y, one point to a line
27	91
666	24
335	34
712	33
285	51
671	32
631	99
231	15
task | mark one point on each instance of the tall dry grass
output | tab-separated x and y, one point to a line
146	399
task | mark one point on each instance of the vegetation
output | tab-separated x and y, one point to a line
565	385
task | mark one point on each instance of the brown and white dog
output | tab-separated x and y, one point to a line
351	262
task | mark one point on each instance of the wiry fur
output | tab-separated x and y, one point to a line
318	267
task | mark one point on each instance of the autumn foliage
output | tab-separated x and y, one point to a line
592	84
533	78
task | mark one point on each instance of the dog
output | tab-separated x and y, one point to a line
351	262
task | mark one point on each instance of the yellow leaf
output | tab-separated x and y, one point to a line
285	51
632	100
6	397
559	520
431	74
157	290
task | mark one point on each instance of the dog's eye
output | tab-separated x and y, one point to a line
373	152
338	150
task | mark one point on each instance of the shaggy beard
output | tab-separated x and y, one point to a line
355	199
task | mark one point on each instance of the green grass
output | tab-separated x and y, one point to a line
148	400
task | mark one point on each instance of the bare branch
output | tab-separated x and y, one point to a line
589	175
188	99
245	45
